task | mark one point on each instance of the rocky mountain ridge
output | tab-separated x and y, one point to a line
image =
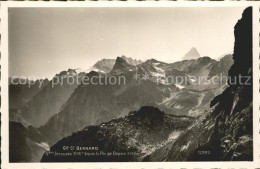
106	65
136	133
93	104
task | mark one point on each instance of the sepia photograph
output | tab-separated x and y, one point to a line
130	84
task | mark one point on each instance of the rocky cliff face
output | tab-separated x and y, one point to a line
127	139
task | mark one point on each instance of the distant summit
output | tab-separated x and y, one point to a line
192	54
132	61
125	63
122	64
106	65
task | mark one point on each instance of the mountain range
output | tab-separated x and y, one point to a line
92	104
58	111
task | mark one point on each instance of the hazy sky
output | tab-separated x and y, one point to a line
45	41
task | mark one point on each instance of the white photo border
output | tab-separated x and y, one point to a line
127	165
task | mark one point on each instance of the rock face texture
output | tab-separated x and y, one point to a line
243	47
139	133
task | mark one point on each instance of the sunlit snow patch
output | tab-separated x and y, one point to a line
179	86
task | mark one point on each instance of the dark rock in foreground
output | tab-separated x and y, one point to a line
124	139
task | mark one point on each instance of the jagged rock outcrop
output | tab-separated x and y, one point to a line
243	53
